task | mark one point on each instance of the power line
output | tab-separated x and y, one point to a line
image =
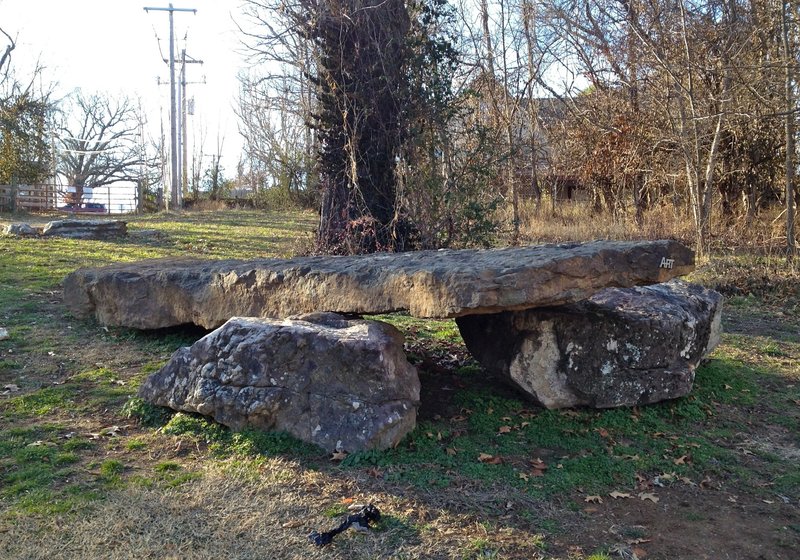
174	187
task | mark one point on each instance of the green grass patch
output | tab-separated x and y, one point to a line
596	451
135	444
42	402
172	474
145	413
249	442
34	464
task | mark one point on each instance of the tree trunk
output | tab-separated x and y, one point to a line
359	123
789	127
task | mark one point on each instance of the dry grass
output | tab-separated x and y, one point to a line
576	221
261	509
175	496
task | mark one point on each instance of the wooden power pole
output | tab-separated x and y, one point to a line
173	117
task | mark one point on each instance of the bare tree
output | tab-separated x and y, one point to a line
99	143
26	110
5	58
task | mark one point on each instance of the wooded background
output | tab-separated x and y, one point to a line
429	123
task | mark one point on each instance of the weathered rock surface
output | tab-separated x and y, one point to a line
621	347
86	229
161	293
22	229
341	384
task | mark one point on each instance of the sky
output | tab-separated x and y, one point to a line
114	47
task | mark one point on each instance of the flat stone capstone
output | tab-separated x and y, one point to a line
438	284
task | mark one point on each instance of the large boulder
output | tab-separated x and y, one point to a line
161	293
86	229
621	347
341	384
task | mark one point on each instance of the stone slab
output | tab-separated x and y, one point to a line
86	229
437	284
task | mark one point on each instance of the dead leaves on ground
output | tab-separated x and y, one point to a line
339	455
617	495
644	496
488	459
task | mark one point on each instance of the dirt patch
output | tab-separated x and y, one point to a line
697	524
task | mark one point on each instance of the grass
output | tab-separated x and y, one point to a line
78	449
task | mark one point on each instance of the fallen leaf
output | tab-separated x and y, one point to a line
347	500
681	460
458	418
728	387
630	457
504	430
524	476
647	496
768	501
538	464
593	499
429	434
11	388
451	451
639	541
292	524
524	424
490	411
507	419
603	432
112	431
374	472
707	482
570	413
338	455
489	459
639	552
617	495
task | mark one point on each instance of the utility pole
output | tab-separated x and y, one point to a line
173	117
184	144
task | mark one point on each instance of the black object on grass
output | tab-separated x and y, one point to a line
360	520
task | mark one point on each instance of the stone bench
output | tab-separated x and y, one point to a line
566	324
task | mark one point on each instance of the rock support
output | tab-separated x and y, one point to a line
340	384
621	347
